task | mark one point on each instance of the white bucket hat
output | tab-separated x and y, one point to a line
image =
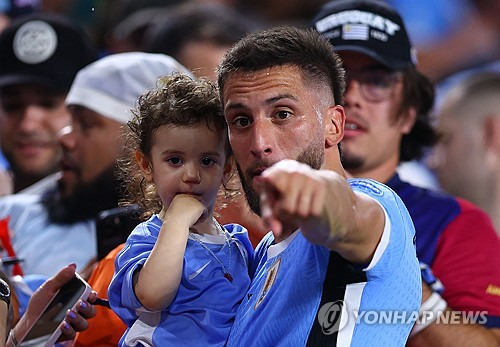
112	85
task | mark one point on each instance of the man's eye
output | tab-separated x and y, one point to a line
50	103
207	161
12	107
241	122
283	114
174	160
379	80
85	125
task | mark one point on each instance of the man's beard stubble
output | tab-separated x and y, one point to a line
25	177
311	156
86	200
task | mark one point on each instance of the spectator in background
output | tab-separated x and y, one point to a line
198	35
278	12
56	225
10	9
469	122
41	54
75	320
452	35
129	21
130	33
387	103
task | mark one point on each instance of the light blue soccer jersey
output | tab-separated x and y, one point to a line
204	308
302	293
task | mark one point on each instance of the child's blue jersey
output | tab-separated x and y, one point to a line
204	308
304	294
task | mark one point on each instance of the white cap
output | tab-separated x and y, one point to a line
112	85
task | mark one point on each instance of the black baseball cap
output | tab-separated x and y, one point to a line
369	27
44	48
16	8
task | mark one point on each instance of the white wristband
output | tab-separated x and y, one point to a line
13	340
429	312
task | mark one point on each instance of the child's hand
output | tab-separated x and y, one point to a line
185	208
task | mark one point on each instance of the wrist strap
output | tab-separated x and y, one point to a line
429	312
12	337
429	278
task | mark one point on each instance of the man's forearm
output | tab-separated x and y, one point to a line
455	335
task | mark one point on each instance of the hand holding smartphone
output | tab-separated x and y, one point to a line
47	328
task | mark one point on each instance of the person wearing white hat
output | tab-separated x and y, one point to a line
40	56
54	225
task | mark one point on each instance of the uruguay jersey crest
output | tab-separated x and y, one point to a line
270	279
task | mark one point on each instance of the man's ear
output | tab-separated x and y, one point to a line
408	121
491	131
228	170
144	165
334	125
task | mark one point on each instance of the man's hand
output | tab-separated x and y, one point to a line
295	195
291	194
325	208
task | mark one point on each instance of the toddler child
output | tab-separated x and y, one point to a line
181	275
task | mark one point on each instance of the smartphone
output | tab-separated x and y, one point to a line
46	329
114	226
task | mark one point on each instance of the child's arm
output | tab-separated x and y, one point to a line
156	284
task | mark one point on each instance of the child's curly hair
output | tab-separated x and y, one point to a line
178	100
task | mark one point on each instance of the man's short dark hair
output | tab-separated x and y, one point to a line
304	48
418	92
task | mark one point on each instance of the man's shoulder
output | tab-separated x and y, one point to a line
472	216
411	193
44	185
368	186
436	201
29	198
380	192
426	203
19	202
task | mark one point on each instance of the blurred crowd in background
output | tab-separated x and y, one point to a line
453	40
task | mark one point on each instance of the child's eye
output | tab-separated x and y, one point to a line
174	160
207	161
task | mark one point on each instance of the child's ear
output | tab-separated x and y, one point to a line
144	165
228	170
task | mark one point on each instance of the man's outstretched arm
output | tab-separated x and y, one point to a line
322	204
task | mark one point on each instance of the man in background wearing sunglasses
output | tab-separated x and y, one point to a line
387	103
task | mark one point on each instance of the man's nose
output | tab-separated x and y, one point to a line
352	93
31	118
262	139
66	137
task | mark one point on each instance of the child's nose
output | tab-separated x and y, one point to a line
192	174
